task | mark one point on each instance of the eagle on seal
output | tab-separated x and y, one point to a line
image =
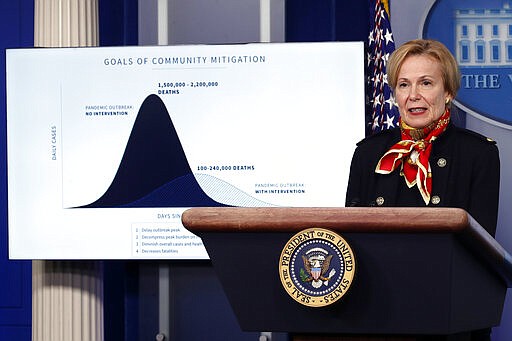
317	267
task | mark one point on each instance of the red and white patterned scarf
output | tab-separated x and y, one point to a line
413	153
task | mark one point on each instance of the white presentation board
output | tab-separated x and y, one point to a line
107	146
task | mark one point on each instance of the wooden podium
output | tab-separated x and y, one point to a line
421	272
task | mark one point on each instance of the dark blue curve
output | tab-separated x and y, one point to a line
154	171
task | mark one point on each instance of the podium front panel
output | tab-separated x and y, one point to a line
405	283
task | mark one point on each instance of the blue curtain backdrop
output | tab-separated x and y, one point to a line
16	27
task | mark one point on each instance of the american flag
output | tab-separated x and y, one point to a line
384	112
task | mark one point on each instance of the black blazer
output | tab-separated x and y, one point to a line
465	174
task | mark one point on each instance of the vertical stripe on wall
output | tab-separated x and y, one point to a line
333	20
118	22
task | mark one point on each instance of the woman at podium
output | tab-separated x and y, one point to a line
427	160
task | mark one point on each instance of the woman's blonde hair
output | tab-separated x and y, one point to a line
432	49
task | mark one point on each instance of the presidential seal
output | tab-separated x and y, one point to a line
317	267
